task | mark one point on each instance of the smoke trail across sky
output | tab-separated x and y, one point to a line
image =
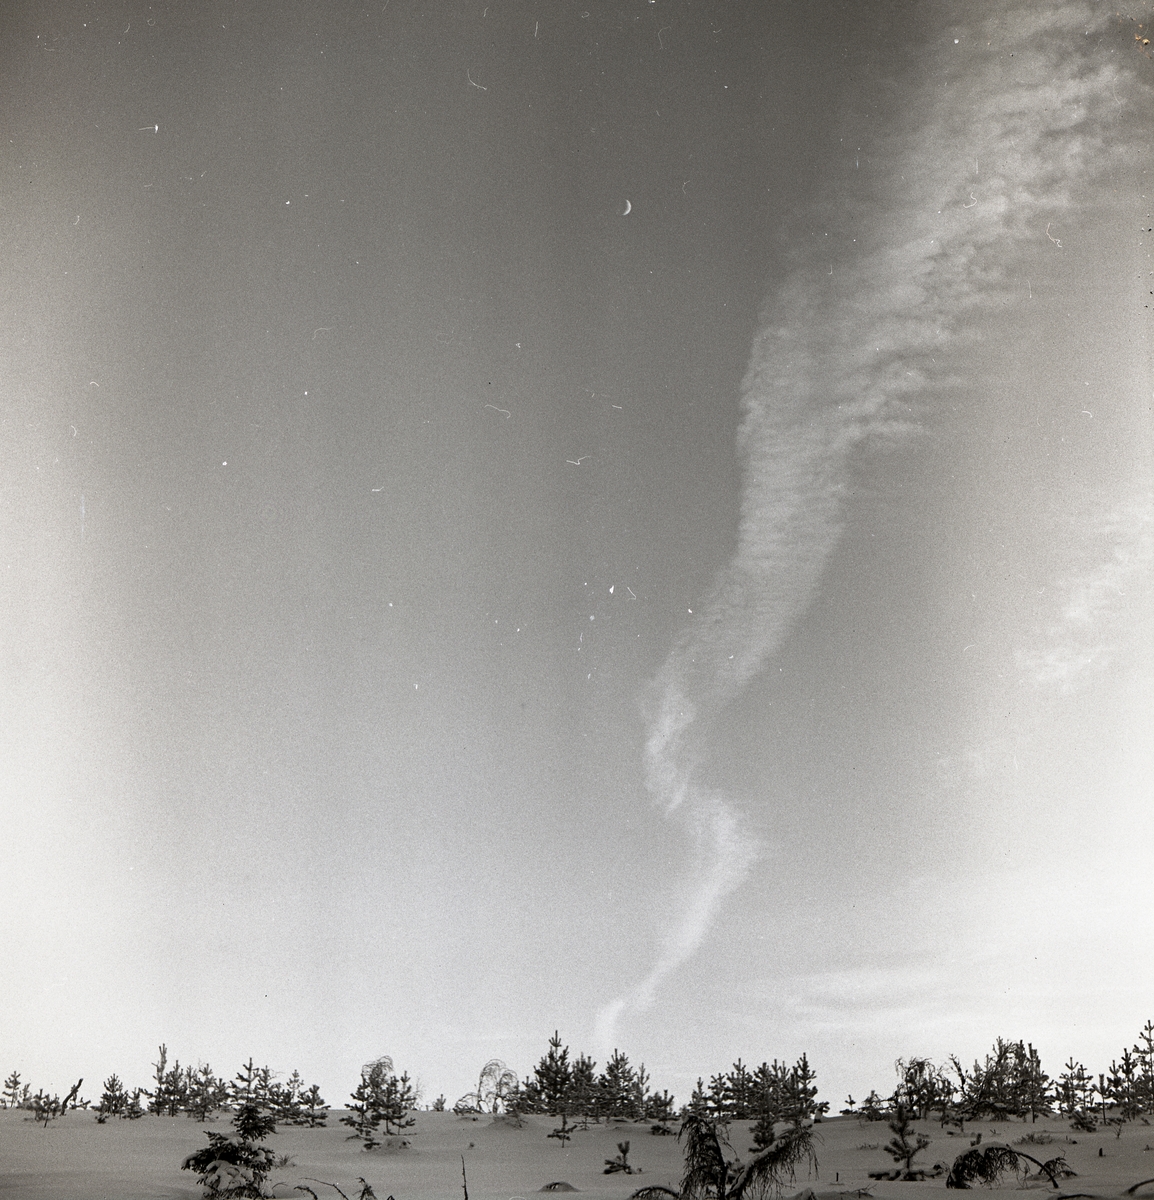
946	173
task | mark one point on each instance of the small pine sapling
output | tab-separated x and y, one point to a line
903	1147
236	1166
12	1091
620	1164
563	1132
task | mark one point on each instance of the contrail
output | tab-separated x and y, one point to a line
988	142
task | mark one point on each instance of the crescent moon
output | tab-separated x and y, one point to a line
628	208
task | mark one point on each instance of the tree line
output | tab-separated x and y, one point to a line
1011	1082
196	1091
561	1085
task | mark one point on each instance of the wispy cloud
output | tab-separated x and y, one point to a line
992	135
1095	604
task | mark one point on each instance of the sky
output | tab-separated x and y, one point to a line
634	519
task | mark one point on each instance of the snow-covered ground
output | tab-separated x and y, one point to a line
76	1159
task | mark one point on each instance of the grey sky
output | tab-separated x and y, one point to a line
373	498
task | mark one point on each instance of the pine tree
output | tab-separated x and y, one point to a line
313	1107
769	1092
159	1068
381	1098
364	1114
285	1100
170	1094
113	1102
640	1105
717	1098
1144	1057
236	1166
205	1093
1074	1092
740	1098
778	1093
980	1088
659	1108
583	1097
922	1087
399	1100
263	1089
996	1082
903	1148
802	1090
959	1112
173	1097
1120	1088
618	1084
1009	1083
698	1105
1034	1085
763	1131
12	1090
246	1086
707	1166
548	1090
